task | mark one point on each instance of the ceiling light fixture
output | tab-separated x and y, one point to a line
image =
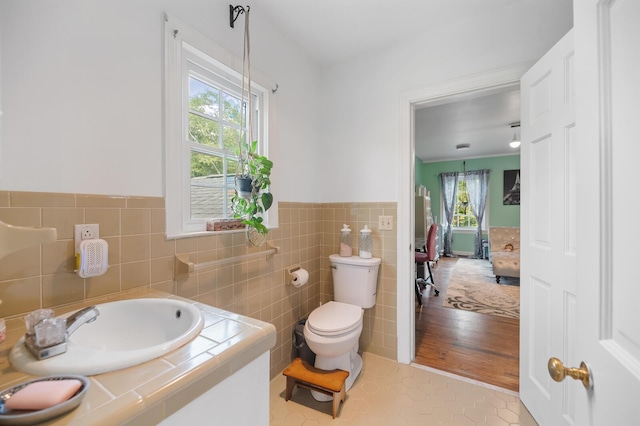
463	146
515	142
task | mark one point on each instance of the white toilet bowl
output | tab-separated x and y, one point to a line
332	332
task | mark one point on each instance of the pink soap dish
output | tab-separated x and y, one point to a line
20	417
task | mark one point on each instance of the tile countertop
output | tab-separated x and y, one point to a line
149	392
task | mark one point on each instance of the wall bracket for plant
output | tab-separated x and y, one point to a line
234	13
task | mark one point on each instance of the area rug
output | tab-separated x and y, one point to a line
472	287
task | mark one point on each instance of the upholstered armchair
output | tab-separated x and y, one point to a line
504	250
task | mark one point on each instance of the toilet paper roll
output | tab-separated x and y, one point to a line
300	277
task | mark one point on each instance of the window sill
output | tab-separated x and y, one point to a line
202	234
464	230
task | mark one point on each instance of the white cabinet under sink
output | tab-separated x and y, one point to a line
241	399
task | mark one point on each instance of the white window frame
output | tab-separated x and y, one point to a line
186	49
467	229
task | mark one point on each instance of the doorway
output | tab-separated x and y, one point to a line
491	81
449	337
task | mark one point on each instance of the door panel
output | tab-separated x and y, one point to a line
599	317
540	330
540	178
548	265
570	182
623	86
569	389
608	93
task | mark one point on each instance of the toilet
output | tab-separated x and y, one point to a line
332	331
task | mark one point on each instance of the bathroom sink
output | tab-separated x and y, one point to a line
126	333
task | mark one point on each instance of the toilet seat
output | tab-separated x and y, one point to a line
334	319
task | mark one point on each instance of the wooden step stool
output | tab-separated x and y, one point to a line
330	383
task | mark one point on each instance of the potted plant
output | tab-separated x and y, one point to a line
252	181
250	201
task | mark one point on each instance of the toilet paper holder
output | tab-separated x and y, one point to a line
290	270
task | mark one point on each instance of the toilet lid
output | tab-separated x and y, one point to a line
334	318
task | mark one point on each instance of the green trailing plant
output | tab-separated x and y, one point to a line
252	202
250	206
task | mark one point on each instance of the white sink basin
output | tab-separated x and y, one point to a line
126	333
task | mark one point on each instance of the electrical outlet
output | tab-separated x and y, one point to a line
385	223
86	232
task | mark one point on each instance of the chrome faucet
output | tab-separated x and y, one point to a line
83	316
56	344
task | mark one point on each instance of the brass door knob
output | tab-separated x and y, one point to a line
558	372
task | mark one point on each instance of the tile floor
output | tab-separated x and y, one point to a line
389	393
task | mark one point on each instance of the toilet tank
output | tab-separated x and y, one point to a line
354	280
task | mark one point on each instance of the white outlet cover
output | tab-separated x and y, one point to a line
385	223
79	229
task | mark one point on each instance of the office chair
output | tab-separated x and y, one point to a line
425	257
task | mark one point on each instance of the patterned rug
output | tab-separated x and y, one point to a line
472	287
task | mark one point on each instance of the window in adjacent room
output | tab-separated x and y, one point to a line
203	113
463	215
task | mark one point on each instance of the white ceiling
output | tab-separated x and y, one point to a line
481	120
333	31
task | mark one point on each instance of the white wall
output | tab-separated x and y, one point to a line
363	95
82	94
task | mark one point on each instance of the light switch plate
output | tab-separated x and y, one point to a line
385	223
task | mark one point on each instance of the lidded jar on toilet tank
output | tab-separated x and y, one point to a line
346	249
366	243
355	280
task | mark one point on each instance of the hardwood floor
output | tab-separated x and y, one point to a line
478	346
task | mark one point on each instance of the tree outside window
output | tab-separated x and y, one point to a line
463	216
214	129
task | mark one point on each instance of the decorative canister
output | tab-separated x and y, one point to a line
366	243
345	241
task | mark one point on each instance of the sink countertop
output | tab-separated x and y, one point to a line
149	392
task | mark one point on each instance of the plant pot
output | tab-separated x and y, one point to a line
244	186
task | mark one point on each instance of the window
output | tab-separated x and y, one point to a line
463	216
213	129
203	110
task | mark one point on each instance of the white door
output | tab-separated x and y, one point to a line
548	232
591	316
607	114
